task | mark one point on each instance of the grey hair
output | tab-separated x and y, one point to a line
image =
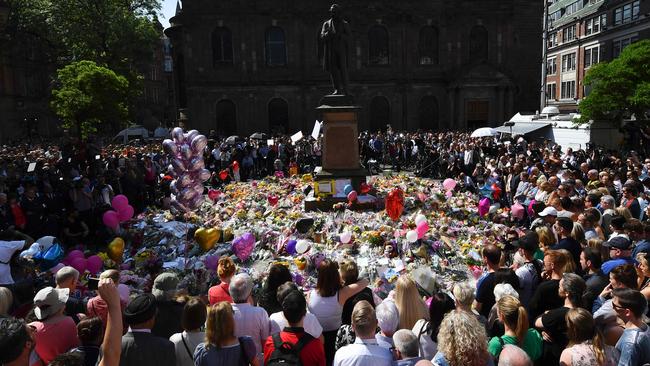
406	342
609	199
6	300
464	293
66	273
240	288
387	316
512	355
574	286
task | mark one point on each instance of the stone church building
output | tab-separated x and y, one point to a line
243	66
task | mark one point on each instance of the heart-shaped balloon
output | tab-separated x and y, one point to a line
223	175
227	235
116	249
395	204
243	246
365	188
273	200
291	246
207	238
483	206
214	194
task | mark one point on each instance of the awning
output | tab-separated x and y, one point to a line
522	128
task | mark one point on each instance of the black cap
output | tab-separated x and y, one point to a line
140	309
529	242
618	242
565	223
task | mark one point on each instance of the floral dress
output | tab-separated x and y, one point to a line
583	355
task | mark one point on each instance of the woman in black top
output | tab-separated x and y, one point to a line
278	274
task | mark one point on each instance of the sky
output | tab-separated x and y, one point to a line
168	11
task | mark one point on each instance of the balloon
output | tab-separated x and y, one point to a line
116	249
227	235
496	191
94	264
345	237
34	249
493	208
177	135
352	196
204	175
186	151
449	194
199	188
422	229
75	254
46	242
486	191
56	268
50	257
214	194
188	194
211	262
169	147
449	184
207	238
243	246
395	204
302	246
531	211
178	166
223	175
483	206
124	292
184	180
291	246
517	211
365	188
119	201
420	218
125	213
301	263
111	219
422	197
197	163
199	143
191	134
347	189
412	236
273	200
79	264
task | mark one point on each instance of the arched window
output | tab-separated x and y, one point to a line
276	49
221	46
378	51
478	44
278	116
226	118
428	113
379	113
428	46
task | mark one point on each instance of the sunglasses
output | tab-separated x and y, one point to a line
616	306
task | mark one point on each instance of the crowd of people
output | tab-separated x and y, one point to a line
568	286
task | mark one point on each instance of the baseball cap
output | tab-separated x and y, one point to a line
49	301
530	242
618	242
548	211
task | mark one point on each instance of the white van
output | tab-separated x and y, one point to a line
130	134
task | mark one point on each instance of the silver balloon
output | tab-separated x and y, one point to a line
199	143
184	180
197	163
199	188
204	175
179	166
191	134
177	135
186	151
169	147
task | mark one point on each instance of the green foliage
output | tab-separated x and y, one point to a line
620	87
89	97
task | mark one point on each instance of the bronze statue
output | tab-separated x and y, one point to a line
333	50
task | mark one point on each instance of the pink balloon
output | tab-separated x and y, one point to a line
79	264
243	246
449	194
531	211
422	229
125	213
352	196
124	292
517	211
449	184
111	219
94	264
75	254
484	206
119	201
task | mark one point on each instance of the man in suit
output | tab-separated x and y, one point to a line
139	346
333	49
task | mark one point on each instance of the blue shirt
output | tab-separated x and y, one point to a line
642	246
634	346
613	263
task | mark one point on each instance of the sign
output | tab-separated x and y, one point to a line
316	131
270	142
31	167
296	137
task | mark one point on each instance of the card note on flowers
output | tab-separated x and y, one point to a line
340	187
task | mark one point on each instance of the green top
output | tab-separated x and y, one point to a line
539	254
532	344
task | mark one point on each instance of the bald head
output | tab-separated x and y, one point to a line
512	355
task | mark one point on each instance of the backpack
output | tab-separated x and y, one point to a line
285	353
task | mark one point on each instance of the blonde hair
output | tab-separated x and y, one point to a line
462	339
220	325
349	271
226	267
546	237
569	264
364	319
514	316
624	211
642	258
464	293
580	328
6	300
113	274
409	303
578	233
595	243
559	259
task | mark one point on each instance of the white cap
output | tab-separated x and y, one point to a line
548	211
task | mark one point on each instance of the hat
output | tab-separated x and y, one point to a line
50	300
425	280
165	284
529	242
565	213
618	242
565	223
548	211
140	309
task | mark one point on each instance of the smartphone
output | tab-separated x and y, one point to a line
93	283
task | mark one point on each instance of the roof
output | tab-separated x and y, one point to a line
587	10
523	128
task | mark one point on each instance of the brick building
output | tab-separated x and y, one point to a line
245	66
583	33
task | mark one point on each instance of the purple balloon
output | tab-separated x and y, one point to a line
188	194
94	264
291	247
211	262
169	147
119	201
199	188
186	151
111	219
125	213
190	135
177	135
75	254
199	143
184	180
79	264
197	163
243	246
178	165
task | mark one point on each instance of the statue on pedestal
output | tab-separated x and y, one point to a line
333	50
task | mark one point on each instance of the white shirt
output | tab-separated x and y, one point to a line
7	250
428	346
252	321
363	352
183	358
310	324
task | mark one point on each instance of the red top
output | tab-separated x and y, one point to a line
219	293
312	353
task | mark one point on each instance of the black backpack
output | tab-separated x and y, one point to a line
285	353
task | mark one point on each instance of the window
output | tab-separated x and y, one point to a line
551	91
551	66
278	115
554	16
378	51
379	113
626	13
478	44
276	50
428	113
221	46
568	89
569	62
226	114
620	44
573	7
428	46
595	24
552	39
569	33
592	56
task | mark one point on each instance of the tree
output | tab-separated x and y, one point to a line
89	97
619	88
